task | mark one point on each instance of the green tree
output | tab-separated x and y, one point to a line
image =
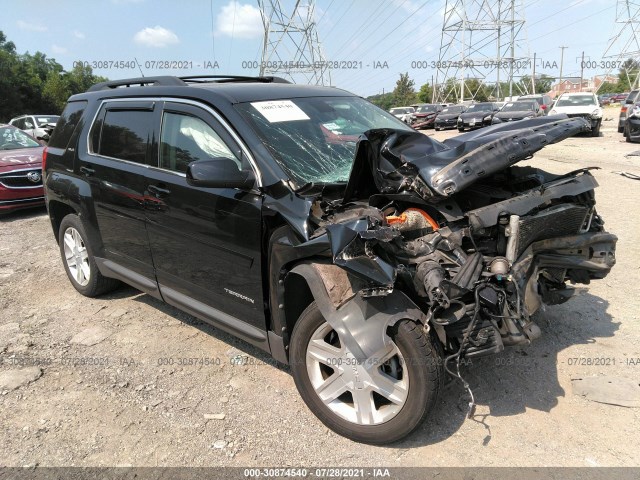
35	83
608	87
628	75
404	93
425	94
384	100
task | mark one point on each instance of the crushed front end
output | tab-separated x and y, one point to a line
477	243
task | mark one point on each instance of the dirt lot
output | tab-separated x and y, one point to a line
104	394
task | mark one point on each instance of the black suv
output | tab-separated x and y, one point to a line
306	221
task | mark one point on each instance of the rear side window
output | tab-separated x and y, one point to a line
67	124
125	135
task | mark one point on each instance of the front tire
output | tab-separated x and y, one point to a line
388	397
78	261
595	131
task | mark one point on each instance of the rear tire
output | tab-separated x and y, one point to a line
78	261
620	129
411	370
460	130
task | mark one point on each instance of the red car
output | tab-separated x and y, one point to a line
20	170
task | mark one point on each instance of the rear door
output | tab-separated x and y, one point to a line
206	242
119	154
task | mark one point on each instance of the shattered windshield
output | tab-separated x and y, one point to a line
12	139
314	138
426	109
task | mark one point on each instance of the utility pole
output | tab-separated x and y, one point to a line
581	70
533	75
433	90
561	63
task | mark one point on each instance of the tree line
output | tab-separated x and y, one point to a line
405	93
37	84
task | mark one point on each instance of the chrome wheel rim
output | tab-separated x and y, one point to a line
367	392
76	256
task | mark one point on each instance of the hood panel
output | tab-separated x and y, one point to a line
21	156
392	161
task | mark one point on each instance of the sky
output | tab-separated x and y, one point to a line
375	40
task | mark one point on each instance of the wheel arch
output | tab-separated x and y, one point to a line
362	321
57	211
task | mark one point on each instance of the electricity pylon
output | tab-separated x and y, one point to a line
625	43
482	43
291	47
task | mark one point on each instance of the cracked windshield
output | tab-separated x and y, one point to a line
314	139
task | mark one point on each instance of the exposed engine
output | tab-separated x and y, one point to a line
478	244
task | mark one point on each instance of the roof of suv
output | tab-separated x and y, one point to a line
232	89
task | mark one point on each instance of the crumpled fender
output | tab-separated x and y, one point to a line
360	322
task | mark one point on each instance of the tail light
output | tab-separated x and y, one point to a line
44	159
623	109
543	107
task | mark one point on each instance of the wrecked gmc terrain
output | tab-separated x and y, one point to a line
370	258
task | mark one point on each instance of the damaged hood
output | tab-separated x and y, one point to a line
394	161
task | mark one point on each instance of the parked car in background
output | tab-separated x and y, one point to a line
631	130
478	115
584	105
604	99
632	99
38	126
425	115
519	110
20	170
448	117
402	113
619	98
543	100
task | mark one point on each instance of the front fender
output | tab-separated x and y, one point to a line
361	322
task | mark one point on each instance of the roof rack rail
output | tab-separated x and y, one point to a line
138	82
231	78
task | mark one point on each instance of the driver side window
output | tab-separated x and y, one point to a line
186	138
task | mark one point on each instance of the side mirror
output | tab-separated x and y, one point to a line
219	172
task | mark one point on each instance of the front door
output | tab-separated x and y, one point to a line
205	242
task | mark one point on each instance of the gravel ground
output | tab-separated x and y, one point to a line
94	385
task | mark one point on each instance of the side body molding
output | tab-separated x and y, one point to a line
360	321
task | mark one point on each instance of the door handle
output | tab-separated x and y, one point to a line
157	191
87	171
